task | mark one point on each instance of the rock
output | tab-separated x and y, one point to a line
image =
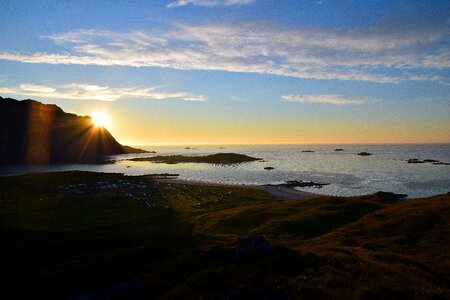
339	149
269	168
241	250
162	176
390	197
441	163
364	153
300	183
217	253
415	161
252	244
246	246
430	161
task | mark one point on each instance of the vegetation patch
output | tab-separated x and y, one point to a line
136	237
219	158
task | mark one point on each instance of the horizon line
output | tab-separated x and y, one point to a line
284	144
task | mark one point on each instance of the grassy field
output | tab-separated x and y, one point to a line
102	236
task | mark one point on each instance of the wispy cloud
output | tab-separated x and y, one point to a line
324	99
81	91
393	50
4	90
28	87
208	3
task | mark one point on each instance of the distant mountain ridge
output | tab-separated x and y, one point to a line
33	133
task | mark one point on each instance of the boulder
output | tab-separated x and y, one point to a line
364	153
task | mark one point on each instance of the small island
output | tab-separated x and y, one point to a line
431	161
301	183
364	153
218	158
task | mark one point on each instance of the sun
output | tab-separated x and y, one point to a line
100	119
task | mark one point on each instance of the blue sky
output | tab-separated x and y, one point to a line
237	71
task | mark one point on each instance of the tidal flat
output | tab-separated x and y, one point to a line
87	235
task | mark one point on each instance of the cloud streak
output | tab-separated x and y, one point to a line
391	51
208	3
81	91
324	99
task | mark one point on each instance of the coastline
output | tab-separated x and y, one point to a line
278	192
212	234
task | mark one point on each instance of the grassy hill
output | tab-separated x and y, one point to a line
79	234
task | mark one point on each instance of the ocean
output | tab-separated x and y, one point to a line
347	173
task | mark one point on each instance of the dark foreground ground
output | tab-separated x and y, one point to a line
106	236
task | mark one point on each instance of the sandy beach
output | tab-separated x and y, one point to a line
279	192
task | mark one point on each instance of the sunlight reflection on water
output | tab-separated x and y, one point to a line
347	173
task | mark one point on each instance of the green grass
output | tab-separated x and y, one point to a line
72	219
65	234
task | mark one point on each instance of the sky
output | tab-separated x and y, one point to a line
236	71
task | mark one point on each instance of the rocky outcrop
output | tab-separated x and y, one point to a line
432	161
364	153
301	183
251	244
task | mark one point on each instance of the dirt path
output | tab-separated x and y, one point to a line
285	193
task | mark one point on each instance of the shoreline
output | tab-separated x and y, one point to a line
278	192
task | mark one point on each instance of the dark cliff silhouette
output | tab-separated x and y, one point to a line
33	133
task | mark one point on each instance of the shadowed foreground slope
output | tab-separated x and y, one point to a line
34	133
102	236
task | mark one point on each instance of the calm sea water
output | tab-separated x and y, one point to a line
347	173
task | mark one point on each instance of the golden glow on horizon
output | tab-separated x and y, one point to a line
163	132
132	126
100	119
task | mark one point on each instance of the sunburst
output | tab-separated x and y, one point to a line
100	119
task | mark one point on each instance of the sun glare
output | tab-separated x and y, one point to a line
100	120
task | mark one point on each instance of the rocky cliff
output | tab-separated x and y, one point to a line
33	133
